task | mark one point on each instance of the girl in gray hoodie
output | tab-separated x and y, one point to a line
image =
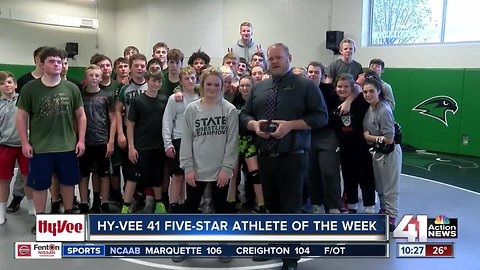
209	144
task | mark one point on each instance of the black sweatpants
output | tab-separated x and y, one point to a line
194	196
357	170
324	171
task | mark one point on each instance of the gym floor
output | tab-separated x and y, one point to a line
432	184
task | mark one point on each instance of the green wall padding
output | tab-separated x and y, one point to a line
18	70
413	86
470	125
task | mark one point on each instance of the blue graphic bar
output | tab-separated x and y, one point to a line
238	228
83	250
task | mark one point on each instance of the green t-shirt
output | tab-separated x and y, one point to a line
167	86
112	87
51	115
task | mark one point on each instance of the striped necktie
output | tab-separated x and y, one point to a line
270	110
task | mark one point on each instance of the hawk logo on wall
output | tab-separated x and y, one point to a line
437	108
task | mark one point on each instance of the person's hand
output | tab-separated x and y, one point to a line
125	81
80	148
259	48
109	150
178	96
191	178
344	107
230	90
27	150
260	133
234	87
222	178
229	50
283	129
360	79
170	152
133	155
122	141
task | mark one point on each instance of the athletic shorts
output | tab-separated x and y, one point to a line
174	163
149	168
8	157
94	154
43	166
247	146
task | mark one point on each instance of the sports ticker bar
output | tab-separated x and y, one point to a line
233	250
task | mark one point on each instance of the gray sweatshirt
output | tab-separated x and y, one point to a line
8	130
246	52
209	140
173	118
388	94
379	120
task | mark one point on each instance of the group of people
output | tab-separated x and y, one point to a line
183	135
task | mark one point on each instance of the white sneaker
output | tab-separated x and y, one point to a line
149	200
334	211
207	208
318	209
3	212
31	208
149	205
369	209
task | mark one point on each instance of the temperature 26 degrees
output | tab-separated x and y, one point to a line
439	250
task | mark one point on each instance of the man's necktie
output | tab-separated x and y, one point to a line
270	110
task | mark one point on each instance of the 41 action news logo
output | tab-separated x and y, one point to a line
422	228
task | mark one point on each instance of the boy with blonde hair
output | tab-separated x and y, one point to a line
344	64
172	134
99	137
228	80
245	46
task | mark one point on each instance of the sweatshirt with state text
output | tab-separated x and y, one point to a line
209	140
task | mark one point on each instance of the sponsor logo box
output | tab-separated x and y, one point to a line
36	250
64	228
